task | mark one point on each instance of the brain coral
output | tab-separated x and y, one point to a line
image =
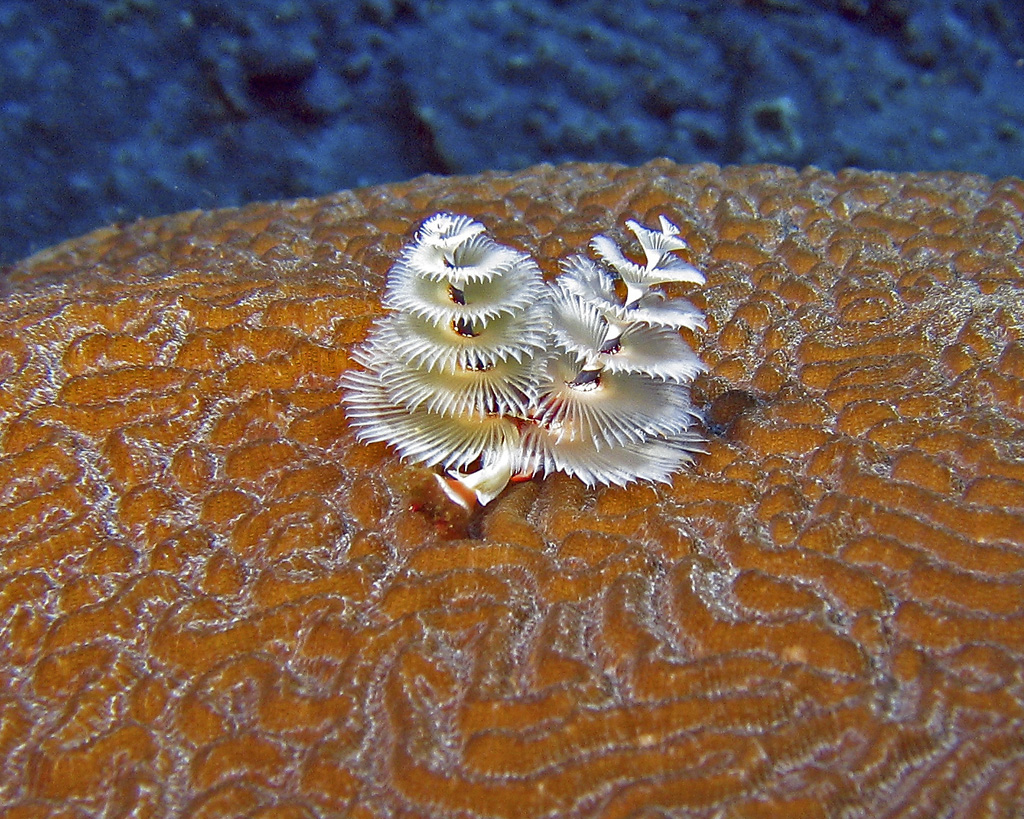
214	602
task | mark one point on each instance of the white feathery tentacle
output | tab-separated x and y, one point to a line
441	347
508	388
617	346
478	259
610	407
418	435
518	288
446	231
585	279
656	308
658	246
654	459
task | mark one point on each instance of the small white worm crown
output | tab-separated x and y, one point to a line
486	371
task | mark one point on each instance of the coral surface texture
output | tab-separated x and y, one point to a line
214	601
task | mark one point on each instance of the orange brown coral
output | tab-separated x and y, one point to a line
213	601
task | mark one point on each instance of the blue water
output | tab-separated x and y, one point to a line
115	109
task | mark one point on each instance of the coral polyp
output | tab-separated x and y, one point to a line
488	372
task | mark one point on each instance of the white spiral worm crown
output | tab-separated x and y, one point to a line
486	371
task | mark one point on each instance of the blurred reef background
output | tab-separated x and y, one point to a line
116	109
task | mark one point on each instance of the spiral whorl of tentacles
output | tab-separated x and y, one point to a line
488	372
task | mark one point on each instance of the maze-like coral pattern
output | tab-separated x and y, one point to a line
213	602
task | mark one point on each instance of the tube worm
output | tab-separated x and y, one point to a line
450	373
615	403
484	370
